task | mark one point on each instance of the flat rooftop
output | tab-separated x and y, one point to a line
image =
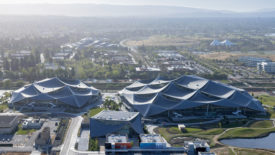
151	138
7	121
117	139
115	115
197	143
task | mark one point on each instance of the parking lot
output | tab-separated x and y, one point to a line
27	141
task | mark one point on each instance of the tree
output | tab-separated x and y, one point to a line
7	84
6	64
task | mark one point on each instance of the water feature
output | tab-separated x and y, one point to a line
262	143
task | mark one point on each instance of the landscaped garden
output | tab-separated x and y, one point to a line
249	129
22	131
267	100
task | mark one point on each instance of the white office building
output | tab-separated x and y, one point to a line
267	67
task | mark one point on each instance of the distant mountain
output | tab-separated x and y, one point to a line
261	13
94	10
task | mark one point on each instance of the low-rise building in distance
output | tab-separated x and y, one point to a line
8	124
250	61
32	123
267	67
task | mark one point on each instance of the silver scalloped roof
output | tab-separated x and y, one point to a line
157	96
72	92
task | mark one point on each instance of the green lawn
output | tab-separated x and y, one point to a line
94	111
20	131
246	133
261	124
192	130
255	129
214	131
164	133
225	81
267	100
93	144
271	113
3	107
235	123
172	132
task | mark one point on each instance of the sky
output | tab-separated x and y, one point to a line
230	5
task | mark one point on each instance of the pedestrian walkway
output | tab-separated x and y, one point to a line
83	143
36	152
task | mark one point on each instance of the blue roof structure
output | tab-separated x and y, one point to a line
107	122
70	92
189	91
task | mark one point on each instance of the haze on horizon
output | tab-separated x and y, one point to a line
228	5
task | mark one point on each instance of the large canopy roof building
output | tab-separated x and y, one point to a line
115	122
55	93
188	95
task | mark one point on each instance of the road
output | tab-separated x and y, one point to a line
72	56
134	51
133	59
71	136
68	147
42	58
151	128
11	114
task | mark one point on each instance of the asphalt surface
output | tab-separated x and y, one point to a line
71	136
83	143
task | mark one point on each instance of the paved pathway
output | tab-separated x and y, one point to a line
71	136
151	128
83	142
35	152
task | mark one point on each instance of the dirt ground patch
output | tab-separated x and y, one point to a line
226	55
219	55
259	93
164	40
